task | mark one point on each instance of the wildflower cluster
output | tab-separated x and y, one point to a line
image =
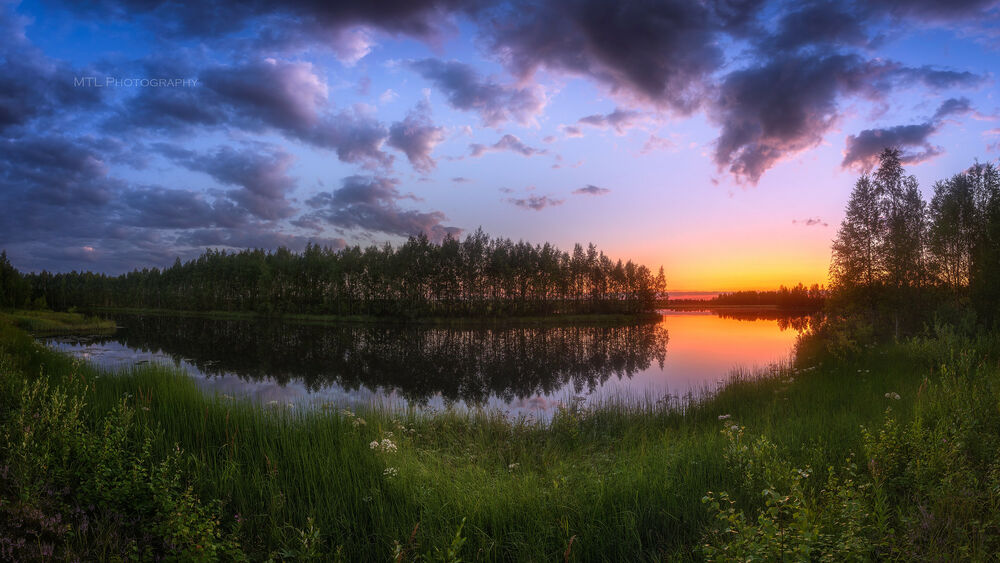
402	427
356	421
386	445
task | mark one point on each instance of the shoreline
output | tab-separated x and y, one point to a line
303	318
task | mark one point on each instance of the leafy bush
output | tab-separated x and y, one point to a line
81	489
931	489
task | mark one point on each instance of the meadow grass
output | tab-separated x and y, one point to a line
625	479
52	322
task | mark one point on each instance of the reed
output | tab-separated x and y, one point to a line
620	479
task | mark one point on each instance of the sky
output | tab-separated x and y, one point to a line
719	139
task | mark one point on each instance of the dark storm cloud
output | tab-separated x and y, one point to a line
467	90
417	136
620	120
591	189
818	24
55	170
285	95
261	175
54	189
371	203
288	97
662	52
506	143
953	106
786	105
33	85
933	9
936	78
863	149
158	207
534	202
317	19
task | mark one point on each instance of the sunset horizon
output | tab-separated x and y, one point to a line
724	152
499	280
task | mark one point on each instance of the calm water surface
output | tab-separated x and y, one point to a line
526	370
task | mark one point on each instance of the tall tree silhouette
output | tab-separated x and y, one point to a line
855	270
480	276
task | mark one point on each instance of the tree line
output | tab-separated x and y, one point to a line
797	297
478	276
898	260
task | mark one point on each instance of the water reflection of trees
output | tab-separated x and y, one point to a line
798	323
462	364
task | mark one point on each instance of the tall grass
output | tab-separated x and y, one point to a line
51	322
620	480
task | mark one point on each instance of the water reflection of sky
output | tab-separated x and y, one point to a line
703	350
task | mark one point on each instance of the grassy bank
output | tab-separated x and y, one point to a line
546	320
627	480
51	322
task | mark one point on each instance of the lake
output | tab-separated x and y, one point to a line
524	370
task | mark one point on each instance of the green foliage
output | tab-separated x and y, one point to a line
83	490
49	322
478	277
797	297
930	491
15	291
621	480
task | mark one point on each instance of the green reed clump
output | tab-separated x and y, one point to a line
51	322
622	479
928	487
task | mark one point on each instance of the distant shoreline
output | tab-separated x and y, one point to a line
548	320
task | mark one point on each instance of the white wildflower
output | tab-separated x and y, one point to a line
724	416
893	396
390	472
386	446
513	466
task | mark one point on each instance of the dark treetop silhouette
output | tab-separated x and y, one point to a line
479	276
899	263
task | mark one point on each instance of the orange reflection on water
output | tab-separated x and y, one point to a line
704	349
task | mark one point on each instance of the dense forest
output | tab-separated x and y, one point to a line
899	263
479	276
797	297
15	291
